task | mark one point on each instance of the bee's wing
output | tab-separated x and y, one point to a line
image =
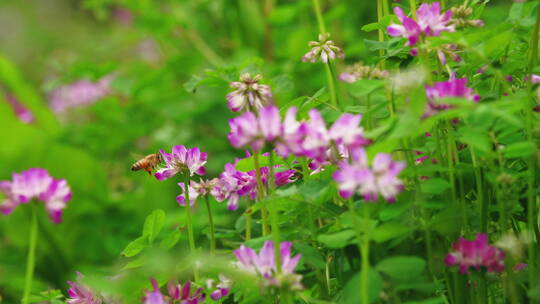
136	156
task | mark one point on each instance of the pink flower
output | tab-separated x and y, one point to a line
182	160
233	184
249	94
455	87
79	294
221	290
477	253
78	94
196	189
356	176
37	184
430	22
22	113
183	294
532	78
264	264
154	296
324	49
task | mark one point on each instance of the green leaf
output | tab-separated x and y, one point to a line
153	224
310	255
390	230
364	87
135	247
402	268
172	238
435	186
520	149
351	294
338	239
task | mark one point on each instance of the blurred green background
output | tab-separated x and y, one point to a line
171	62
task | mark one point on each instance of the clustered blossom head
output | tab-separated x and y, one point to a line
182	160
477	253
430	22
249	94
233	184
264	265
35	183
324	49
79	294
356	176
22	113
78	94
360	71
455	87
176	294
196	189
461	16
221	289
309	138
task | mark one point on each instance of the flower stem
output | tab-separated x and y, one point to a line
380	14
484	207
274	214
331	80
31	259
364	288
412	4
189	223
260	193
318	13
212	228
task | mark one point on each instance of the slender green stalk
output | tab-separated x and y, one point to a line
482	289
203	47
189	221
380	13
531	197
248	222
212	227
318	13
364	288
386	8
274	214
412	4
261	193
330	74
484	206
31	259
331	83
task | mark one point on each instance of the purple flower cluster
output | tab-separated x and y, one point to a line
264	264
176	294
233	184
182	160
430	22
80	294
37	184
455	87
356	176
78	94
477	253
221	289
305	139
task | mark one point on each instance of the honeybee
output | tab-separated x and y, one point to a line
148	163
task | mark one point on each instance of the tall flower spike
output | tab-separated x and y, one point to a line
249	94
324	49
182	160
263	265
476	254
37	184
